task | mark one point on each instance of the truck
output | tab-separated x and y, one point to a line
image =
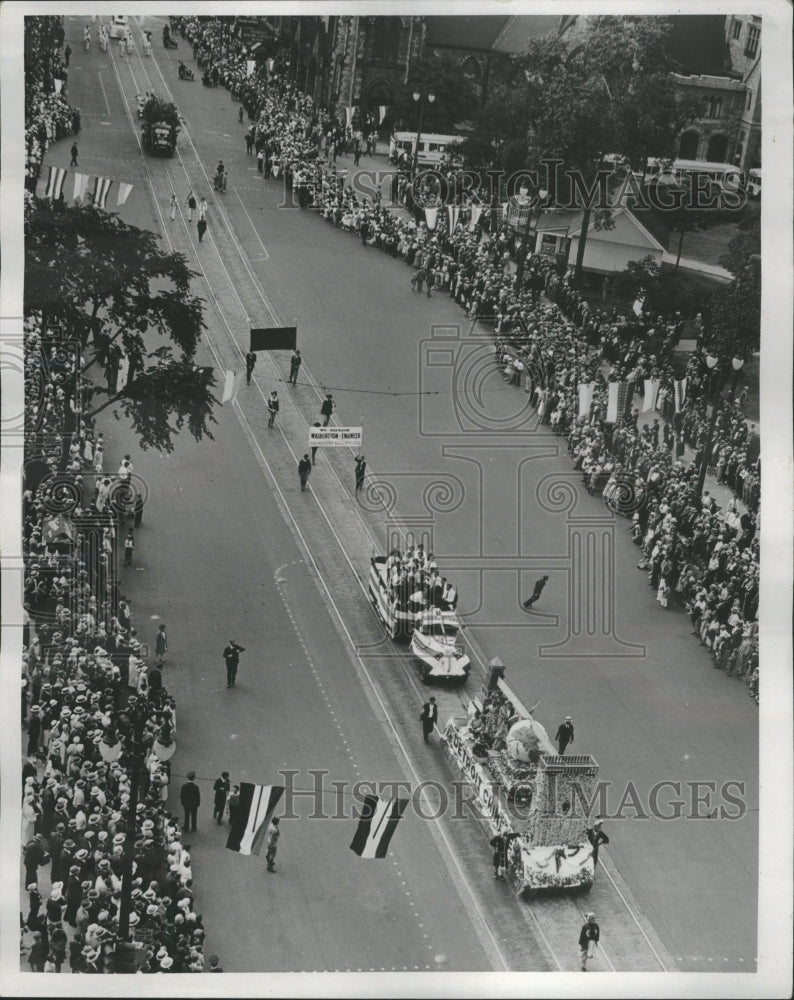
160	126
432	632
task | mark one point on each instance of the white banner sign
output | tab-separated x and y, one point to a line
335	437
487	798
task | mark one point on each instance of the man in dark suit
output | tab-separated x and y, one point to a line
221	790
564	734
596	836
429	717
231	655
190	797
539	585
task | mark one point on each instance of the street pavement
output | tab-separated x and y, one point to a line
456	451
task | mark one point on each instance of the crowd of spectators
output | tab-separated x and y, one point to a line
549	340
96	719
48	114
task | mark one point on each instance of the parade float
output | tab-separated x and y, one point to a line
160	125
433	631
524	787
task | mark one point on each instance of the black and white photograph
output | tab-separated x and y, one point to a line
387	604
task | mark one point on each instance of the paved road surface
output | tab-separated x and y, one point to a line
648	706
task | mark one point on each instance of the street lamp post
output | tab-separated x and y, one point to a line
536	203
422	98
737	364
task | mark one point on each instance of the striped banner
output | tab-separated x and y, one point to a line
80	186
55	182
102	186
680	394
651	392
586	393
256	808
453	213
349	116
377	824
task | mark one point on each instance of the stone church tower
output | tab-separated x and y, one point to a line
371	58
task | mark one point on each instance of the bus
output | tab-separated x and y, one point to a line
754	182
434	148
118	25
722	174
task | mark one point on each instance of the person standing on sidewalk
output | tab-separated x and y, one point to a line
539	585
589	937
361	470
429	717
272	408
304	470
250	364
129	548
221	790
231	656
295	363
327	409
160	646
271	842
190	797
564	734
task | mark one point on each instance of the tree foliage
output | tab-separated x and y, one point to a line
109	286
736	308
156	109
455	87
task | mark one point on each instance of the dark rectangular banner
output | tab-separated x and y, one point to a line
274	338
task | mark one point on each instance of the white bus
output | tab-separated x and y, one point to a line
726	174
434	148
754	182
118	25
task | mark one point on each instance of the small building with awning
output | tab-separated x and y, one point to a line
607	251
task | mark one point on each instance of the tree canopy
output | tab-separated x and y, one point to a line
110	287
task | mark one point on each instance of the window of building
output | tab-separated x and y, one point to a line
753	38
714	109
737	29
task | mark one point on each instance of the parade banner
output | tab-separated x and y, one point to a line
486	795
124	193
55	183
256	808
680	394
586	393
431	214
102	186
274	338
80	186
335	437
349	116
651	392
376	827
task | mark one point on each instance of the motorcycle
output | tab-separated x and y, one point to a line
184	72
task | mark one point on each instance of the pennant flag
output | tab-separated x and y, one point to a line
80	186
349	116
270	64
586	393
382	113
453	211
274	338
504	209
256	808
376	826
651	391
124	192
228	386
55	183
680	394
430	217
639	302
102	186
58	84
250	66
476	212
612	401
276	169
